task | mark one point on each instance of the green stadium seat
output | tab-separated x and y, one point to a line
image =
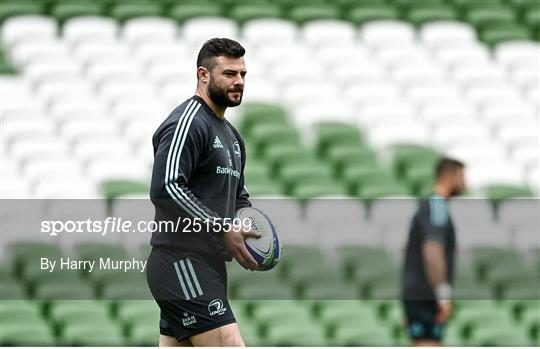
453	336
264	291
14	311
407	155
312	190
331	134
114	188
36	277
63	11
295	255
12	8
97	334
304	173
183	12
264	189
501	192
360	15
532	20
493	17
344	156
466	5
24	254
504	277
413	4
356	256
93	250
12	291
362	333
337	313
338	290
143	334
242	13
267	135
358	176
499	335
524	4
475	318
266	312
63	292
421	16
252	286
473	292
132	313
124	11
312	12
389	189
496	35
261	113
126	291
17	334
489	257
285	333
371	276
279	156
85	312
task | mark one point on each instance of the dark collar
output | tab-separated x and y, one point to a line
206	106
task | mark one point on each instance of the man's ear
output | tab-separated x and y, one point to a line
202	74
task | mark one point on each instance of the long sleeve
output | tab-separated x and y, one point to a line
177	149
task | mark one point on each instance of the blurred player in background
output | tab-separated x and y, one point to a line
198	176
429	258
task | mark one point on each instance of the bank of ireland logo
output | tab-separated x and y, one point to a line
216	307
237	149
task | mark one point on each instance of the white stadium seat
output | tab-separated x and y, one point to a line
509	53
270	31
321	32
387	33
90	29
21	28
386	135
447	34
114	169
197	30
148	29
30	51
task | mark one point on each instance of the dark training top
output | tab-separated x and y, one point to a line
431	222
198	175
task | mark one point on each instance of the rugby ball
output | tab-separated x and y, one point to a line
266	250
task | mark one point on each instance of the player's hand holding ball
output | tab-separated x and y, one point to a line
234	239
266	248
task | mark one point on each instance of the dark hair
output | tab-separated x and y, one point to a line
218	47
447	165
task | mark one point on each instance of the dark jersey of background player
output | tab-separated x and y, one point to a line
198	173
432	222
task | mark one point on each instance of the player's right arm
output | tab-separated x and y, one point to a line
434	223
178	147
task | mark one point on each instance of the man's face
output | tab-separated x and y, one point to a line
458	187
226	81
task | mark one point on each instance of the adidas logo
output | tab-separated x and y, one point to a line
217	143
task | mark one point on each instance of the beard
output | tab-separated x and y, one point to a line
456	192
220	96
